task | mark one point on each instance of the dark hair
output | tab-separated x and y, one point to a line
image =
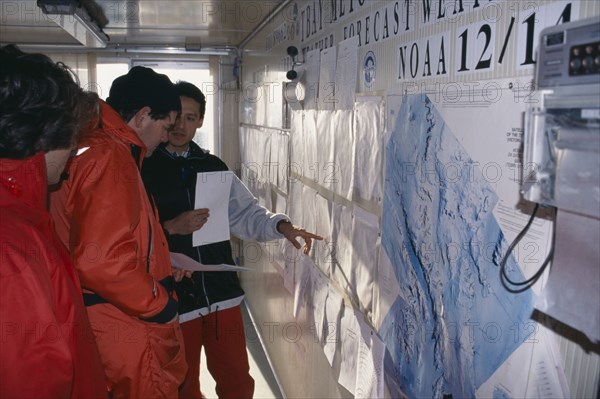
143	87
187	89
42	107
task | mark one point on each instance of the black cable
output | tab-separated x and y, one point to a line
526	284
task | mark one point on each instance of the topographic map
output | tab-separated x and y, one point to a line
453	324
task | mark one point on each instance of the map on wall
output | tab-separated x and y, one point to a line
452	325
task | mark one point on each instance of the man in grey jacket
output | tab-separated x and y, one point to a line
209	302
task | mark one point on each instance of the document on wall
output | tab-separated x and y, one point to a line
544	379
289	268
331	332
346	73
350	340
327	79
302	281
212	192
317	300
369	370
184	262
312	64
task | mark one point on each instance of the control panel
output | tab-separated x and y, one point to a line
569	54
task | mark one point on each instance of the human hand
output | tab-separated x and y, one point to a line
291	232
179	274
187	222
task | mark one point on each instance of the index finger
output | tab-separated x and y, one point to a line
307	235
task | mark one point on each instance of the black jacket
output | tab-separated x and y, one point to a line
172	182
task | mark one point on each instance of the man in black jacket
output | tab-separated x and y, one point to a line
209	302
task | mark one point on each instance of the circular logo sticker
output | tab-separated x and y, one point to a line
369	66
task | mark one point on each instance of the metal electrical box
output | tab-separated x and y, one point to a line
561	159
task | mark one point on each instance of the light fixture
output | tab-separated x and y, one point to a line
75	20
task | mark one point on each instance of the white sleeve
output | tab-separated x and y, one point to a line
249	220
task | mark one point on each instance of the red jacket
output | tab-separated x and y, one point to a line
103	214
47	349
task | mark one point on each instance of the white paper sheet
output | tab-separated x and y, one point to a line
184	262
369	370
283	162
327	95
275	248
325	168
297	147
342	169
368	149
331	331
357	240
302	282
365	241
317	299
350	340
310	166
323	251
342	238
311	75
212	192
387	289
545	378
308	205
290	253
295	209
346	73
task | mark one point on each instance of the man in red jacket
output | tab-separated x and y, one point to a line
107	220
47	349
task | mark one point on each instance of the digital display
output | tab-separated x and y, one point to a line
555	39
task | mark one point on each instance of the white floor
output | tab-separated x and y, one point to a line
265	383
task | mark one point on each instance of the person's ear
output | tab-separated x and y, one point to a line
140	117
200	123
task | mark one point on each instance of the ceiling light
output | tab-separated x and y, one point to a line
76	21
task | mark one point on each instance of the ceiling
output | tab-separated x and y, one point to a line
192	25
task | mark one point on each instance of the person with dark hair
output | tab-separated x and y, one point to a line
47	350
209	307
107	219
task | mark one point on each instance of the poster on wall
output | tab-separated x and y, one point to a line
445	244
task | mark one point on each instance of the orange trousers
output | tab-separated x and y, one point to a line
221	333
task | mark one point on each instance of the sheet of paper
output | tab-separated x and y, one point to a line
331	332
302	282
311	74
212	192
356	234
325	168
310	167
323	228
545	378
369	370
387	289
350	340
297	145
346	73
368	149
182	261
317	299
327	95
309	195
365	241
342	238
289	269
341	170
